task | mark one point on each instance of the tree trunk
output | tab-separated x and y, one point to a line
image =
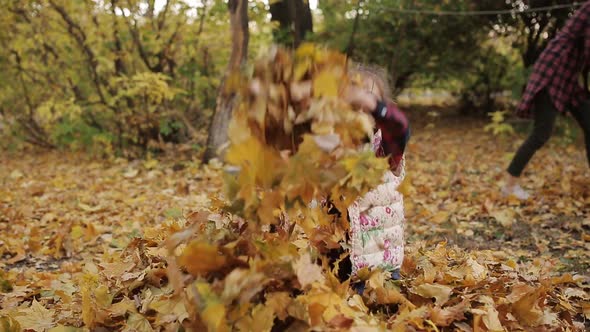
238	11
294	17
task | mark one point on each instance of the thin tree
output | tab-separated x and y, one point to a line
238	13
295	21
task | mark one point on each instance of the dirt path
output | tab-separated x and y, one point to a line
456	171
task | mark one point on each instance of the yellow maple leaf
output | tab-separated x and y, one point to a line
261	319
364	170
301	68
170	305
36	317
212	311
305	50
325	84
279	302
137	322
259	167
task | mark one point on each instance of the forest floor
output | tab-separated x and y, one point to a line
62	214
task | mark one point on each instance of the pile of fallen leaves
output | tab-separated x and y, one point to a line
255	260
265	265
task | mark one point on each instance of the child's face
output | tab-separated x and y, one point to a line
370	85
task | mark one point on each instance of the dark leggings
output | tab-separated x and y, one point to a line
544	121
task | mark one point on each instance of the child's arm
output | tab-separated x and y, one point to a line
395	131
389	119
392	122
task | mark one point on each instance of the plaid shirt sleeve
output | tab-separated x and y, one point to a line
558	68
395	132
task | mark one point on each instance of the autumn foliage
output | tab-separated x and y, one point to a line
264	265
254	257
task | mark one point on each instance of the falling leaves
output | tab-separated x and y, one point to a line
201	258
306	271
120	245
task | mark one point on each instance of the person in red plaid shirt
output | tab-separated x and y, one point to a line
553	88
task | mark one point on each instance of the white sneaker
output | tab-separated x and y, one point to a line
516	191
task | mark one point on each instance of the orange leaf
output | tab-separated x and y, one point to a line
446	316
527	309
201	258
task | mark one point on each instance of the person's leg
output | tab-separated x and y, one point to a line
582	116
544	120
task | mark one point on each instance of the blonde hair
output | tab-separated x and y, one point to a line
375	73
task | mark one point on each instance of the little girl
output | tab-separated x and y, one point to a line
376	219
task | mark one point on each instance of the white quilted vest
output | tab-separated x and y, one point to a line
377	223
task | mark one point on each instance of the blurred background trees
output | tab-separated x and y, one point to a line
129	76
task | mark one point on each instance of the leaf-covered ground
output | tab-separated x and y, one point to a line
79	240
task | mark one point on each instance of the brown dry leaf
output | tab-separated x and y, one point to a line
316	311
576	293
174	275
62	328
392	296
116	269
242	284
446	316
518	291
441	293
279	302
491	320
586	309
505	217
566	278
341	322
36	317
121	308
410	317
19	255
440	217
527	309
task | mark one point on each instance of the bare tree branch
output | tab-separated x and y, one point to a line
80	36
134	31
120	67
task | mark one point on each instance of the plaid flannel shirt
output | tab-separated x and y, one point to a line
395	132
560	65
